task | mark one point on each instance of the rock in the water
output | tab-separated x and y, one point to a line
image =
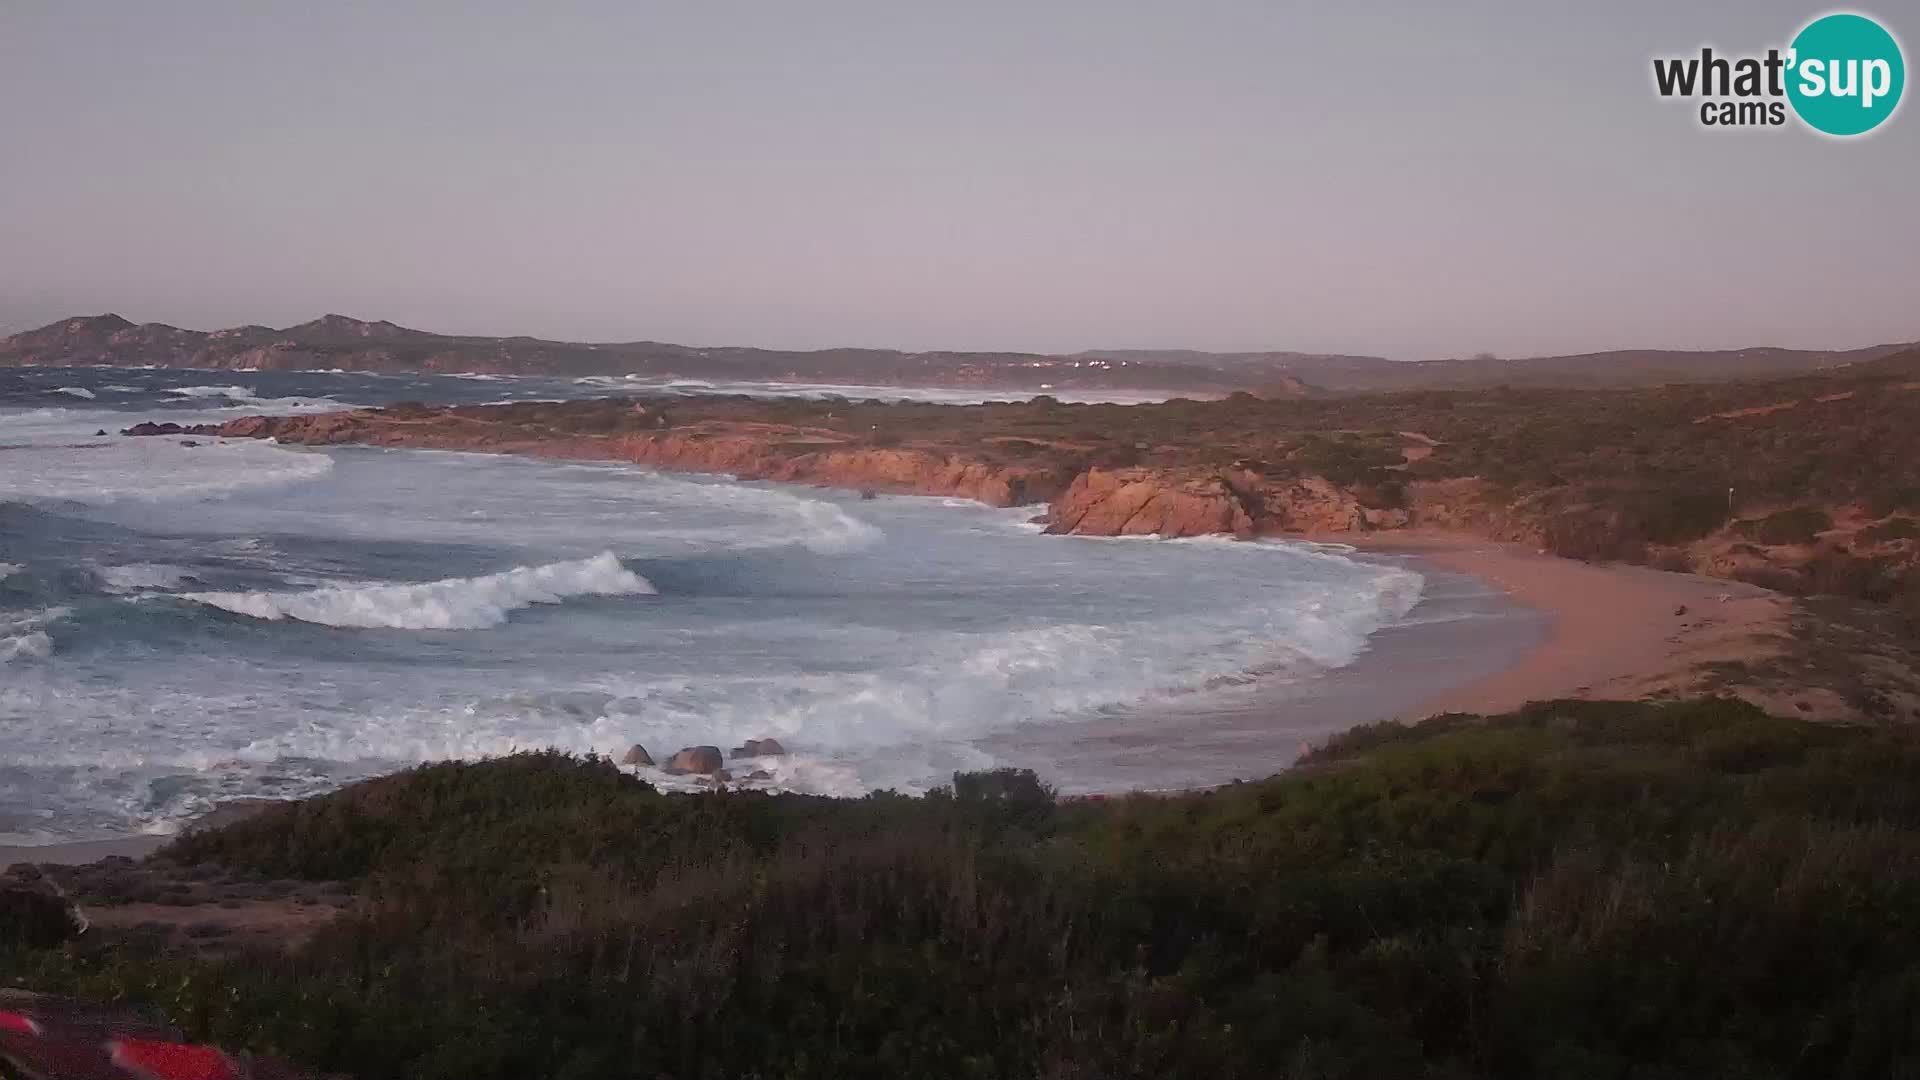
637	755
760	748
148	427
695	759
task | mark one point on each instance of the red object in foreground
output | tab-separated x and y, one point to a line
14	1023
53	1038
172	1061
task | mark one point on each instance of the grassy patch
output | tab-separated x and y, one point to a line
1577	889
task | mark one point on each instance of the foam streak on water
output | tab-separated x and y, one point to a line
185	623
474	603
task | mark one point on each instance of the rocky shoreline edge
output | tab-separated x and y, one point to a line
1192	470
1097	500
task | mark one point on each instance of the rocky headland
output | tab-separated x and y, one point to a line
1172	500
1806	486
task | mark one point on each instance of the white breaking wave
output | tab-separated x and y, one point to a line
21	636
152	470
904	726
76	391
237	393
35	645
8	569
475	603
143	576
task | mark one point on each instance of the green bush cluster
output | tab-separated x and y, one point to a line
1575	890
1798	525
1894	528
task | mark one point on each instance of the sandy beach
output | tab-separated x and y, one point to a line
1499	625
1614	631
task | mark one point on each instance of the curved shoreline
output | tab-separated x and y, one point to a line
1615	631
1545	627
1609	631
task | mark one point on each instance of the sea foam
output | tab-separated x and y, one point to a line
133	576
21	636
235	393
474	603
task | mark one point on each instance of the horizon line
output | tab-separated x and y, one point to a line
1317	354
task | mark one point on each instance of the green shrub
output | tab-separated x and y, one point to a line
1574	889
1894	528
1800	525
33	917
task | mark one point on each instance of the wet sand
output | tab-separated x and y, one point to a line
1614	631
81	852
1498	625
1463	629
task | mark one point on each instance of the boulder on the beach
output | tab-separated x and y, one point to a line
695	759
637	755
759	748
33	914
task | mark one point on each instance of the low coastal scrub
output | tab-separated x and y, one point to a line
1668	475
1573	890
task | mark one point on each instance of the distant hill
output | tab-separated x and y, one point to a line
1627	367
343	342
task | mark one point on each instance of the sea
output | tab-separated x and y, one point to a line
186	620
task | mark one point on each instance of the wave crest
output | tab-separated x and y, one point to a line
135	576
475	603
22	636
233	393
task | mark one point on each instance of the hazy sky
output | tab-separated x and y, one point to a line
1412	179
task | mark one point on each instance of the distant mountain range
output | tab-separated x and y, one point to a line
340	342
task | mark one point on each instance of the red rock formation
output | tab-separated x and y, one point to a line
1172	503
696	760
1168	501
1098	502
1149	502
749	451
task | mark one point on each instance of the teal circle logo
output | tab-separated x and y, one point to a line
1845	74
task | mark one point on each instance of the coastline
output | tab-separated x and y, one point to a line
83	852
1499	625
1597	630
1462	629
1613	630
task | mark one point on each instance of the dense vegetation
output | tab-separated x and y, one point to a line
1575	890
